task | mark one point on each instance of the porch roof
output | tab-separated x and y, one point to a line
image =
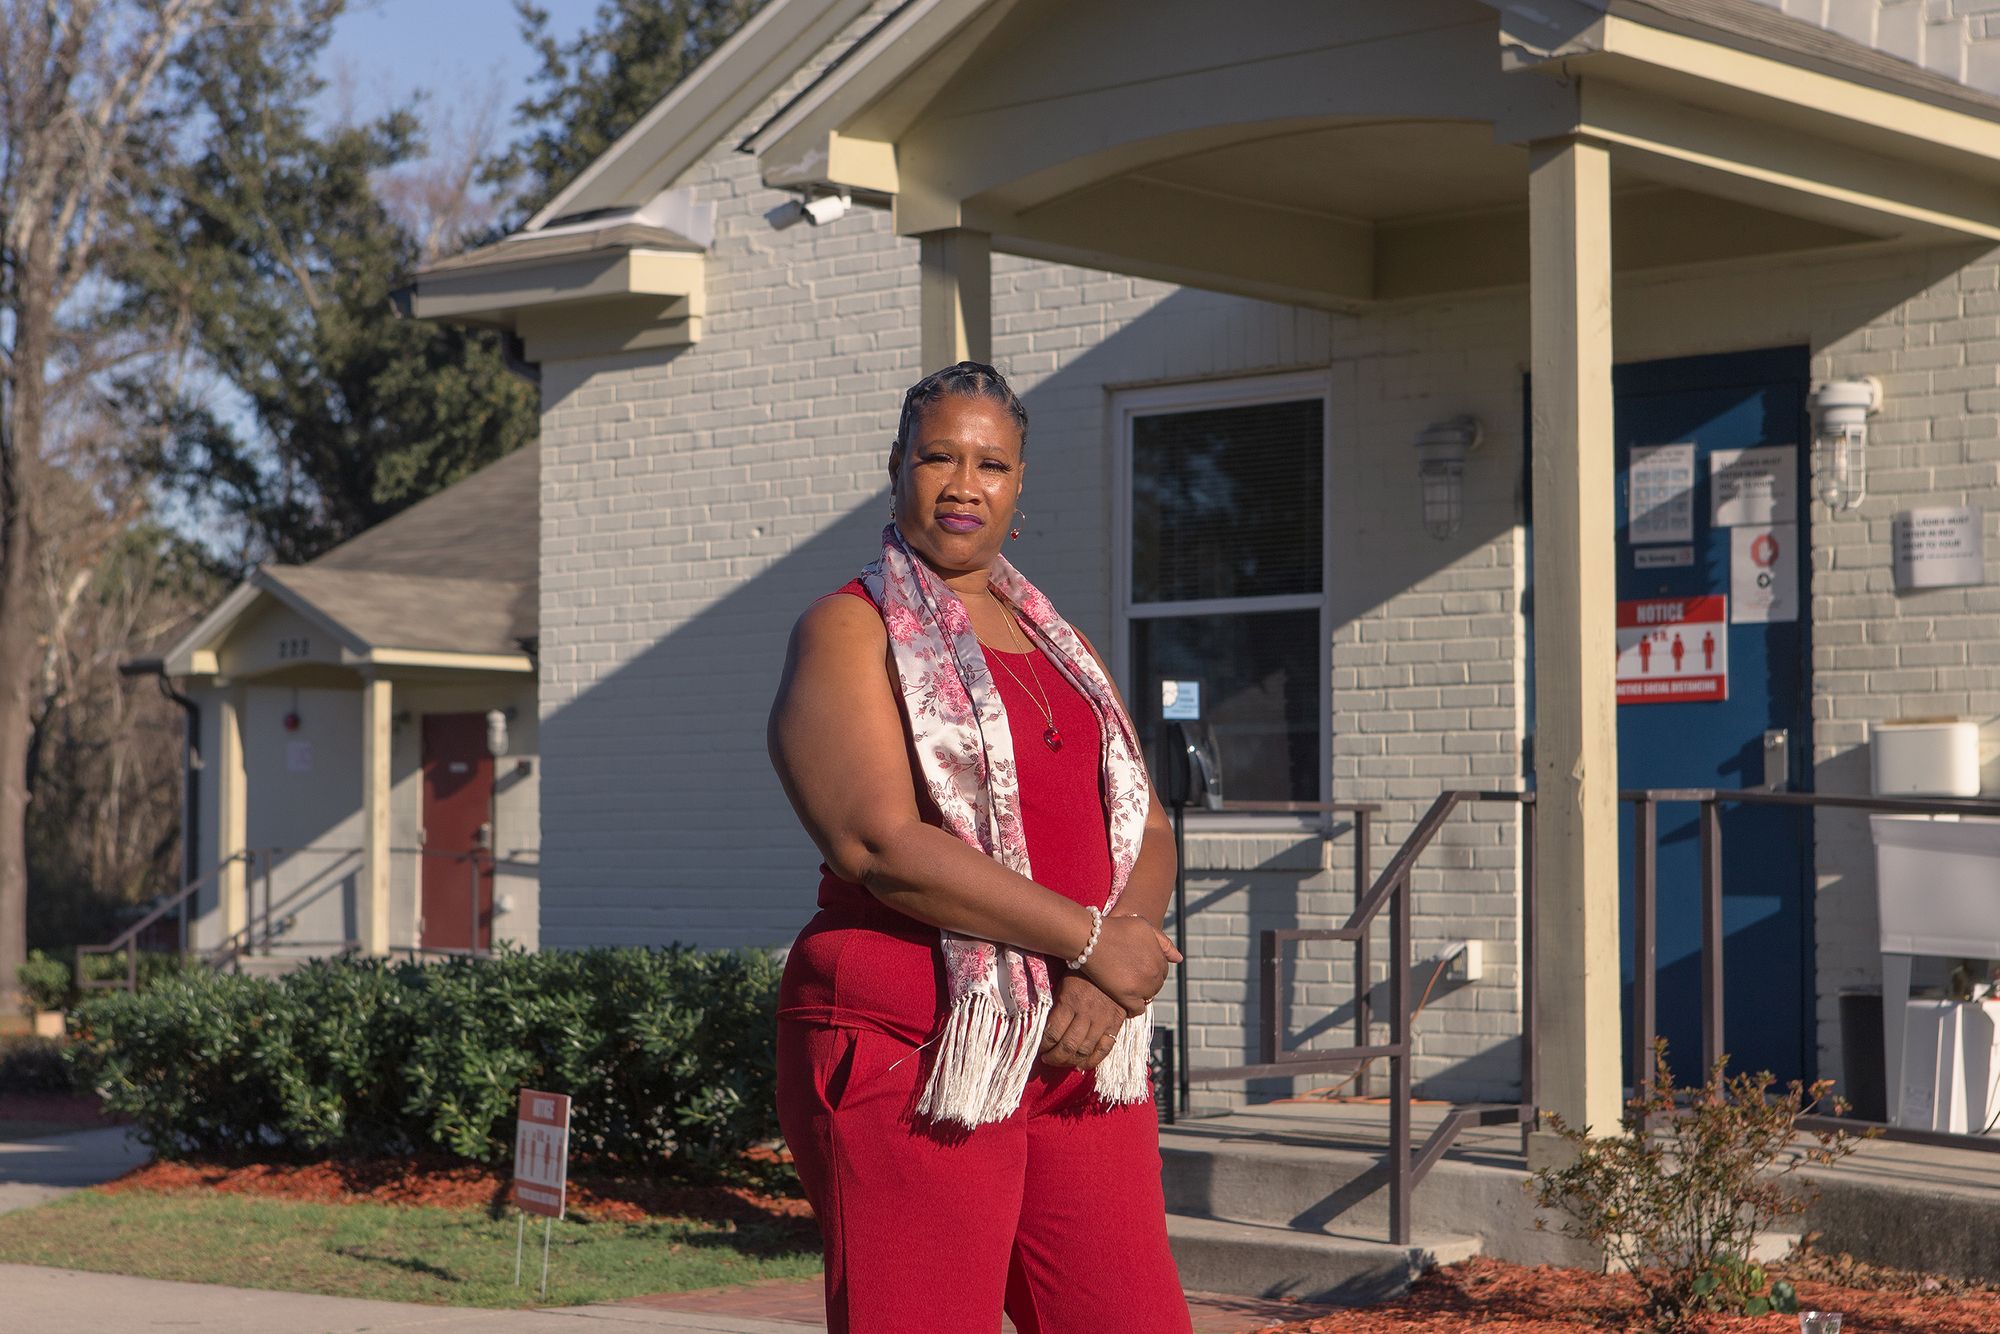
1371	152
450	582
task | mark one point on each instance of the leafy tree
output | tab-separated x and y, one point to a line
596	86
275	243
82	136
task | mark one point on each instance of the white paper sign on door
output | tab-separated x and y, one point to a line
1943	547
1753	485
1659	494
1763	573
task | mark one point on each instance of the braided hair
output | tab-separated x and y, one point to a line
972	379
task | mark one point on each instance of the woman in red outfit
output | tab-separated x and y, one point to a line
963	1027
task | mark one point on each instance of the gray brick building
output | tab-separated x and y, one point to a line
719	392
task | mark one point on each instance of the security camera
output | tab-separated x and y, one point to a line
827	208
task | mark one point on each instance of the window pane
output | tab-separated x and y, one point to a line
1226	502
1260	692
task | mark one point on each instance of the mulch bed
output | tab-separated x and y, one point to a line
1481	1294
457	1185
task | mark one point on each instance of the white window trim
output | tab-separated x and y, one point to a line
1194	397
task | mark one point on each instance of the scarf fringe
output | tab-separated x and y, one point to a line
984	1058
1122	1075
985	1055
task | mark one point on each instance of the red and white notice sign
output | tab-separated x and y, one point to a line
541	1153
1673	650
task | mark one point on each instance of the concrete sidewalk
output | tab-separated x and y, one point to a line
66	1301
35	1171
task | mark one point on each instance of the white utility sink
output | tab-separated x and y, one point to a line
1937	884
1937	892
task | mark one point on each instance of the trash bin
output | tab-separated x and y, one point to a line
1861	1081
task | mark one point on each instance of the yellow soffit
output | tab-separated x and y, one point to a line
1630	52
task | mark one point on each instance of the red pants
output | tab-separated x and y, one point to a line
1055	1214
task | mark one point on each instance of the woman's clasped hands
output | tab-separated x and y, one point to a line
1125	971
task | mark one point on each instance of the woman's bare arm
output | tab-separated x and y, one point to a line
839	745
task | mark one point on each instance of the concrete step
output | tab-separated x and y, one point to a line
1263	1260
1329	1189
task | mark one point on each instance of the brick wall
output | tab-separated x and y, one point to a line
694	502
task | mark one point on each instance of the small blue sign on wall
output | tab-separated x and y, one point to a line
1180	701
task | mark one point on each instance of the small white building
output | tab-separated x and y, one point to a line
350	796
1239	261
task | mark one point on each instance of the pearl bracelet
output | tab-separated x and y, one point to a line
1096	925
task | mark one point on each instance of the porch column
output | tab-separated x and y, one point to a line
1576	738
232	810
956	298
372	911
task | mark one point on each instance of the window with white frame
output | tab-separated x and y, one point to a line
1224	497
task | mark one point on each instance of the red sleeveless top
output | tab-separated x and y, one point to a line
861	964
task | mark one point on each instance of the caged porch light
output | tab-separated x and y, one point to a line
1840	410
1441	451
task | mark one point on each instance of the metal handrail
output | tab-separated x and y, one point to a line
263	927
1645	883
128	939
1391	890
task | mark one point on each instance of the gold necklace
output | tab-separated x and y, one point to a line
1052	738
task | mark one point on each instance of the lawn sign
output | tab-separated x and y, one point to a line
541	1169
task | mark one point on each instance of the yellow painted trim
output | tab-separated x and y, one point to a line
499	293
377	708
1822	95
861	164
955	298
232	807
201	662
412	657
1576	736
1785	159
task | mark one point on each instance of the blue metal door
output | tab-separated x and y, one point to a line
1739	531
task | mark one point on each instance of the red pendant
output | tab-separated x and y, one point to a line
1053	738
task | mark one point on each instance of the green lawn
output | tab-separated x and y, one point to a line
458	1257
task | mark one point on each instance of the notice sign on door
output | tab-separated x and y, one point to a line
1673	650
541	1153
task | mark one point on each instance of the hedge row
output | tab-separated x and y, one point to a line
667	1054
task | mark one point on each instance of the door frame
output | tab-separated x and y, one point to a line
1759	366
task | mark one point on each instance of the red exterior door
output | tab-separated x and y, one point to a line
458	801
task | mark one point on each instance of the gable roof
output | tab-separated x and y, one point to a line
779	40
456	573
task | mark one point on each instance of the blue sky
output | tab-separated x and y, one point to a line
456	50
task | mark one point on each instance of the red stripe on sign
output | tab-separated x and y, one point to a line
1657	612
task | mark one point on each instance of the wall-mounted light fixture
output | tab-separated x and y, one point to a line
1441	451
496	732
1841	409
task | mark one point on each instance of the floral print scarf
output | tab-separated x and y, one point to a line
1000	995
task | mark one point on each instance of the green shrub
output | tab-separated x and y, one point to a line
1681	1195
44	981
153	965
668	1054
34	1065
